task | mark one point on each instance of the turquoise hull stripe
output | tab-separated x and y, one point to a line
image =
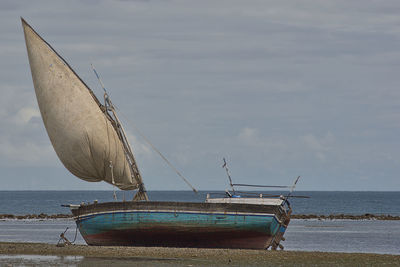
104	222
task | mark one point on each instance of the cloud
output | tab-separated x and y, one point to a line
319	145
276	148
23	139
279	87
140	149
24	115
249	136
26	153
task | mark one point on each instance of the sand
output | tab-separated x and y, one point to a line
159	256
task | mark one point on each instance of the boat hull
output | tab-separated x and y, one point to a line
179	224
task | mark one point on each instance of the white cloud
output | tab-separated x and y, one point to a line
319	144
321	147
139	149
250	136
24	115
26	153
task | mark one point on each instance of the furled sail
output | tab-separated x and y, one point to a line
85	137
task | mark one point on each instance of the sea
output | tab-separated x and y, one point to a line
364	236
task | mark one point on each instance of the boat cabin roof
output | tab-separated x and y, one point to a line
242	200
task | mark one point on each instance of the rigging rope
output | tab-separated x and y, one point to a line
144	137
156	150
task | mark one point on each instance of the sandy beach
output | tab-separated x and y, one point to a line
159	256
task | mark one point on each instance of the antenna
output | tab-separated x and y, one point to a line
294	185
292	188
229	176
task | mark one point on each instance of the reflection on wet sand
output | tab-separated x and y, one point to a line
44	260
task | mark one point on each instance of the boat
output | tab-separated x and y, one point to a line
90	141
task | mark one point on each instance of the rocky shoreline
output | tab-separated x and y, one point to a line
42	216
367	216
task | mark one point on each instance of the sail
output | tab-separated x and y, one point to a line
84	136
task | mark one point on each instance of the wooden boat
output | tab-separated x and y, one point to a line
91	143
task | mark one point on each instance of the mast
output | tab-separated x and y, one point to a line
141	194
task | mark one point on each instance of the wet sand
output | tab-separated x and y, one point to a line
159	256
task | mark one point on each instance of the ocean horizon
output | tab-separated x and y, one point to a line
21	202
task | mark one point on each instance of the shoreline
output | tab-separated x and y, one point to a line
367	216
204	257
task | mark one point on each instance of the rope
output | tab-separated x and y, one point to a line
76	232
142	135
157	151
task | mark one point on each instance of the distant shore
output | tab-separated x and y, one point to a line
204	257
366	216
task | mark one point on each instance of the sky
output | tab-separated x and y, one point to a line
278	88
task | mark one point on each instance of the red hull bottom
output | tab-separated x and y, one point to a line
160	238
